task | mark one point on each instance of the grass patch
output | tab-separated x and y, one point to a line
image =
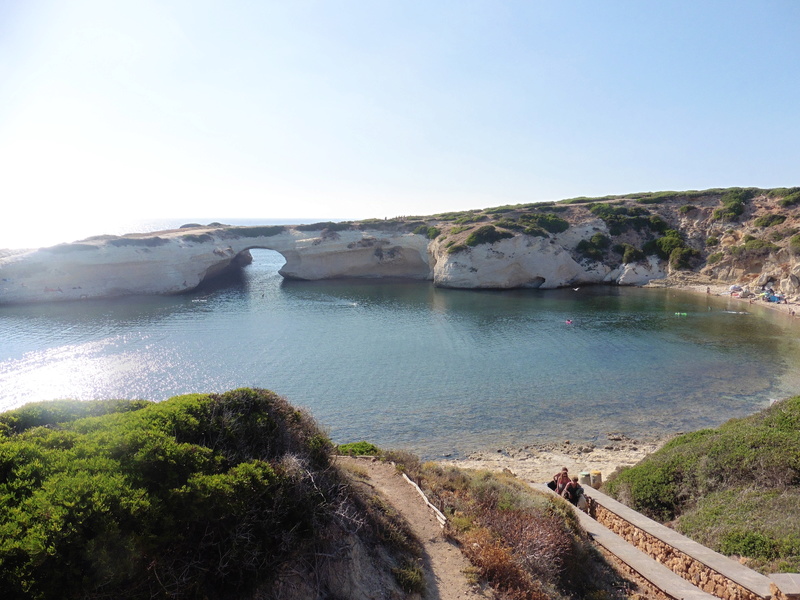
735	488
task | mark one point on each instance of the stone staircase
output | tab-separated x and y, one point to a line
674	565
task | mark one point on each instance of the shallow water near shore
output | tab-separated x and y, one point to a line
406	365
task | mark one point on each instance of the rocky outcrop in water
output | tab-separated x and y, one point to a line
732	236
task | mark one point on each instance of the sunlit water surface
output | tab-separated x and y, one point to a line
406	365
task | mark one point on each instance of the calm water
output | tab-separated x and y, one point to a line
406	365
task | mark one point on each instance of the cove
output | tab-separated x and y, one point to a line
406	365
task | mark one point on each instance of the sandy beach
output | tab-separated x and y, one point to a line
538	463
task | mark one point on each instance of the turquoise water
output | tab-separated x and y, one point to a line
406	365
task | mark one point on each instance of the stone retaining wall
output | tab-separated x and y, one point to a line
689	568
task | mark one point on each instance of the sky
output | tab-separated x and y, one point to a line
349	109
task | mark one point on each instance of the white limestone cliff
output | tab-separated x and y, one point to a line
178	261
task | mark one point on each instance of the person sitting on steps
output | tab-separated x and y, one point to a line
572	491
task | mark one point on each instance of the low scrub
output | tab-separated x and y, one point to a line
329	225
769	220
735	488
528	545
548	221
733	203
487	234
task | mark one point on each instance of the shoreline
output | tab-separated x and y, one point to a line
538	463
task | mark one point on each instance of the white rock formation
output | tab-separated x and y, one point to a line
177	261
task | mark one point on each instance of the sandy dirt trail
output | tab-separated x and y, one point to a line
444	565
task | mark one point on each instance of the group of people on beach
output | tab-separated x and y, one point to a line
568	488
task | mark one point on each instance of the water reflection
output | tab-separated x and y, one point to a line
405	364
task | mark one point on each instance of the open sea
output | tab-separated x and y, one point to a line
405	365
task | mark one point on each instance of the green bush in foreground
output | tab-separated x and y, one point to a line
197	496
735	488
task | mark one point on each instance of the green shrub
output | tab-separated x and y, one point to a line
722	483
135	503
769	220
665	245
456	248
712	241
733	203
507	223
631	254
683	258
790	200
411	578
358	449
715	258
487	234
197	239
687	208
329	225
794	243
547	221
619	218
430	232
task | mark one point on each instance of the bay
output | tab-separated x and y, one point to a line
406	365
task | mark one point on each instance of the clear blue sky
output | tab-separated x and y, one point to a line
374	108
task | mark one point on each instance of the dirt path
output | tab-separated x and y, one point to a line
445	565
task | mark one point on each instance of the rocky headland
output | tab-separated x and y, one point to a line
743	236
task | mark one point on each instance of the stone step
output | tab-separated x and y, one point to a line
658	575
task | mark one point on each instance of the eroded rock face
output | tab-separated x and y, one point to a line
176	261
518	262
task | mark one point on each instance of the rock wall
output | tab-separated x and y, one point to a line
177	261
688	567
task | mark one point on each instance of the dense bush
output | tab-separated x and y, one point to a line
664	245
715	258
430	232
547	221
619	219
735	488
630	254
769	220
712	241
733	203
358	449
197	496
683	258
594	248
686	208
790	200
488	234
